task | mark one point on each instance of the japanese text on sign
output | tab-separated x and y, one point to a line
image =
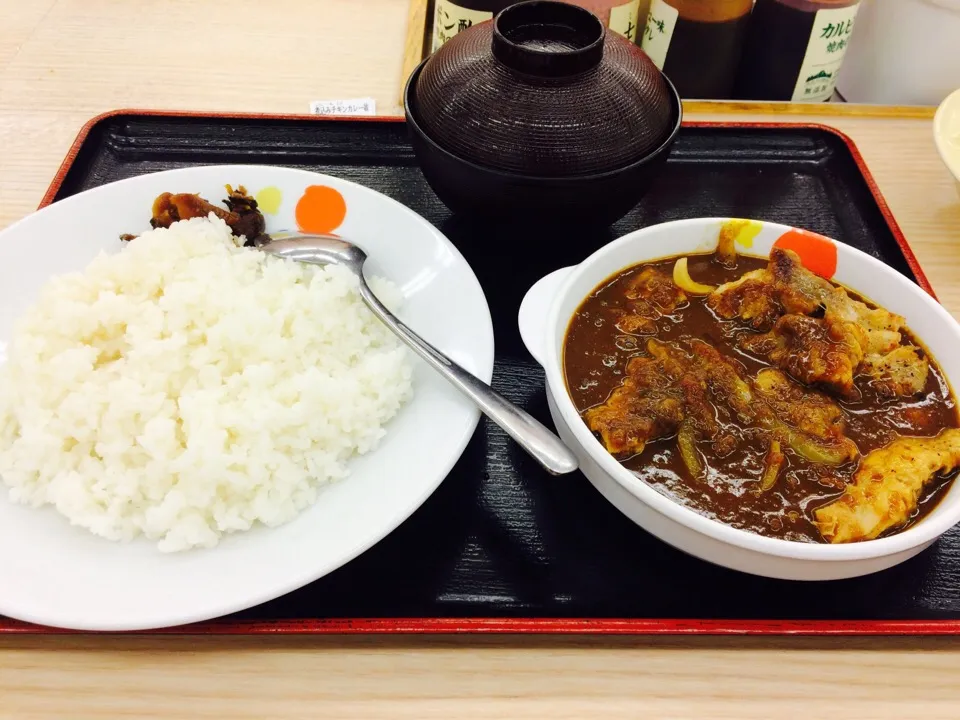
355	106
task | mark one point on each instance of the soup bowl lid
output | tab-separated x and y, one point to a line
544	90
549	306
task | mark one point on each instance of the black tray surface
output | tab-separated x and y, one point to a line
500	538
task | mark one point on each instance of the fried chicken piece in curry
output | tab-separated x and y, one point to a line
635	323
692	375
750	298
800	291
809	411
657	288
832	352
886	487
676	391
879	329
747	399
900	373
812	350
645	407
761	296
730	387
650	295
895	370
850	339
658	394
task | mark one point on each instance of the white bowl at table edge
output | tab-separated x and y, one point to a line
545	315
941	132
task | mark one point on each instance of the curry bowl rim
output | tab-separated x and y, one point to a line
943	517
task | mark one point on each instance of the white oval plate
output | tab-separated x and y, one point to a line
55	574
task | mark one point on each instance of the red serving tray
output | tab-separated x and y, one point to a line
564	626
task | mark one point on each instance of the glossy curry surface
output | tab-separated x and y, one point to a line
596	352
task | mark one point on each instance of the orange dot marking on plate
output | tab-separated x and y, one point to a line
320	210
817	253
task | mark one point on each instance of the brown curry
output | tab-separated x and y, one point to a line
764	397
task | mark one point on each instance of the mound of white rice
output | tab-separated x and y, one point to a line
186	387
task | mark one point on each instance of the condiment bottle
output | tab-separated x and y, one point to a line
697	43
453	16
795	48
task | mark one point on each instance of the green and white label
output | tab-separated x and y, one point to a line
828	44
658	31
449	19
623	19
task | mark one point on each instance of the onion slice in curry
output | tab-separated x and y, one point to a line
682	279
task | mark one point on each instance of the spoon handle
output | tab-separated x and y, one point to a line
528	432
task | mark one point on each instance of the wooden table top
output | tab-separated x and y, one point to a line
64	61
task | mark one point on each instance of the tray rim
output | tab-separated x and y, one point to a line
519	625
527	626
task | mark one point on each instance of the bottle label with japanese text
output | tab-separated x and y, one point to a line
658	32
449	19
624	19
828	44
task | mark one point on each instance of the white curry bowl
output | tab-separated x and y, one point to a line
545	315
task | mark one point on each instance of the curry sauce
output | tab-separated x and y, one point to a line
596	353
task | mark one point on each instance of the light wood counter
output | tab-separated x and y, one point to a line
64	61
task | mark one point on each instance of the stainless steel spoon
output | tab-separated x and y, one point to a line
530	434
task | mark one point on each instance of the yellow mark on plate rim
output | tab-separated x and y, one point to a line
269	200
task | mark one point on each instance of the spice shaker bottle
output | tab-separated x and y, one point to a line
697	43
794	49
452	16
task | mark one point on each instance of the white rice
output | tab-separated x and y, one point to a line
186	387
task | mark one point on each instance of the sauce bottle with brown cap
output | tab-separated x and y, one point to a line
794	49
453	16
697	43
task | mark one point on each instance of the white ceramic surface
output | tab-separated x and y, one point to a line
903	52
946	134
56	574
545	315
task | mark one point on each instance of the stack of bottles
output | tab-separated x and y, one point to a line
772	50
714	49
453	16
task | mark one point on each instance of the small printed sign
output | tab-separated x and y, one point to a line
623	19
658	32
450	19
355	106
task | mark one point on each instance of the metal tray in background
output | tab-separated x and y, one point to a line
501	546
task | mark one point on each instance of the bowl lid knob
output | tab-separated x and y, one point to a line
548	39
